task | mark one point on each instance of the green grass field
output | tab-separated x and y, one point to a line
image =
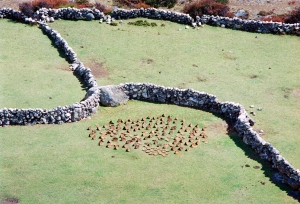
60	164
35	74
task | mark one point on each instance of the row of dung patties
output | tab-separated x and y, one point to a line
153	13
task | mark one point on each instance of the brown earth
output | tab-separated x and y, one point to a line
255	6
10	3
97	68
10	201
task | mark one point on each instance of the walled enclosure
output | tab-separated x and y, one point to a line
48	15
138	91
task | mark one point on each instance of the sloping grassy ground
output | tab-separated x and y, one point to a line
33	73
60	164
233	65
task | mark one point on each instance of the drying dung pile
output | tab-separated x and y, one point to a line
159	135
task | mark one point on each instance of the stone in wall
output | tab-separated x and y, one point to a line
112	96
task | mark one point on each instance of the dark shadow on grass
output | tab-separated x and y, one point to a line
62	55
13	21
81	81
266	166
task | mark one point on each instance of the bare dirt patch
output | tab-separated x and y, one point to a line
253	76
220	128
10	3
147	61
201	79
286	92
253	7
98	69
10	201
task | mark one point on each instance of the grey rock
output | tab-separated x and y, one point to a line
89	17
112	96
278	177
76	115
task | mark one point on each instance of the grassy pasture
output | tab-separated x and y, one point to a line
263	71
60	164
35	74
46	164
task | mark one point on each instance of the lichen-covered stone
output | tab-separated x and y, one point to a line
112	96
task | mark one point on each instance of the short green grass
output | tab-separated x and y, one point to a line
60	164
263	71
35	75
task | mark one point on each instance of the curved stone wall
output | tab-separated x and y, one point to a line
234	111
58	115
144	92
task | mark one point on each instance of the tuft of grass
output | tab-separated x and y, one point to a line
144	23
114	24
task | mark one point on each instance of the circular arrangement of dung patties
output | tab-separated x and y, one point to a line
154	135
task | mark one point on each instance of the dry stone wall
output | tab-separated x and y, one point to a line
138	91
58	115
49	15
224	22
153	13
250	25
234	111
